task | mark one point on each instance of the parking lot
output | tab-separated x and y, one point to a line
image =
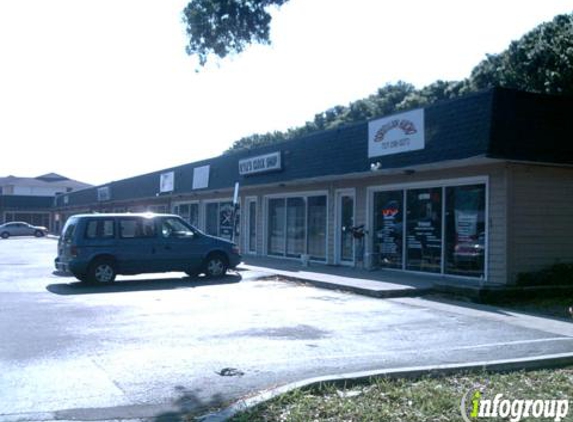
154	347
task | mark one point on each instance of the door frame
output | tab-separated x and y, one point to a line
338	194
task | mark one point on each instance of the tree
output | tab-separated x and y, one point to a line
541	61
385	101
437	91
221	27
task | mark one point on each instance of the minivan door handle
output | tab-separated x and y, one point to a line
168	247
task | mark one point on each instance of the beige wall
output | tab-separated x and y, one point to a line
541	217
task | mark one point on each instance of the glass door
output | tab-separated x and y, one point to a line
252	225
424	230
345	221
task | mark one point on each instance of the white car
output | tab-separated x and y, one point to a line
19	228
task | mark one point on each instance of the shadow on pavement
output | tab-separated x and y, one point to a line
189	406
79	288
497	308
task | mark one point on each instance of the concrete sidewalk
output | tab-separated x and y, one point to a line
378	283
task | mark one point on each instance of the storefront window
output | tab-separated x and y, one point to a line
252	226
194	215
317	227
465	230
424	230
212	219
182	210
34	218
276	237
296	223
219	219
296	226
388	228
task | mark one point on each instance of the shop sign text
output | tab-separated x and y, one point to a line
399	133
260	164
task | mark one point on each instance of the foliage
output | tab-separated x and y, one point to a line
385	101
221	27
540	61
556	275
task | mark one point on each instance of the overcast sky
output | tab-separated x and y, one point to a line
100	91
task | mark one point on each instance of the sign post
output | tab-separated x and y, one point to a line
235	209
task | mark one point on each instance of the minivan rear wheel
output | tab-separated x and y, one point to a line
102	270
216	266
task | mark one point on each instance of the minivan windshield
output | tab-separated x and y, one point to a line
175	227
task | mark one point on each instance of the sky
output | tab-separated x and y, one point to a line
101	91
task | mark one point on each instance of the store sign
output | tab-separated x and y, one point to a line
103	193
166	182
395	134
201	177
260	164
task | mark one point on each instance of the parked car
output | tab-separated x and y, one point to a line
97	247
19	228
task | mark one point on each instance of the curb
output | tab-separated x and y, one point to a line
507	365
380	294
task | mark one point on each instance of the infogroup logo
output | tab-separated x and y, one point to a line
475	407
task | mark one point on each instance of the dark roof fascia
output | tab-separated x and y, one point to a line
532	127
338	151
478	124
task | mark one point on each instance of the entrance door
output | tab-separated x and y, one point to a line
424	230
345	243
251	236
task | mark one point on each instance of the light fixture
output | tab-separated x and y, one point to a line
375	166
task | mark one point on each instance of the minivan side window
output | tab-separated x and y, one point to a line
100	229
131	228
69	231
174	227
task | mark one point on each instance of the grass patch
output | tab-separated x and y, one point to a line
553	307
426	399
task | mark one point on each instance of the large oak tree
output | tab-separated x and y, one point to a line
221	27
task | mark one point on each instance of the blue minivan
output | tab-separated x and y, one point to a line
97	247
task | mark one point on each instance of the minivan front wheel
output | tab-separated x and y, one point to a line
5	235
216	266
102	271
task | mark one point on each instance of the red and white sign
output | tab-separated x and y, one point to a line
395	134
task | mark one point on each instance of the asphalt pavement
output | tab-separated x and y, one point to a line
153	347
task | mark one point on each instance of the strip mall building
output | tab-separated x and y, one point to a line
480	187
